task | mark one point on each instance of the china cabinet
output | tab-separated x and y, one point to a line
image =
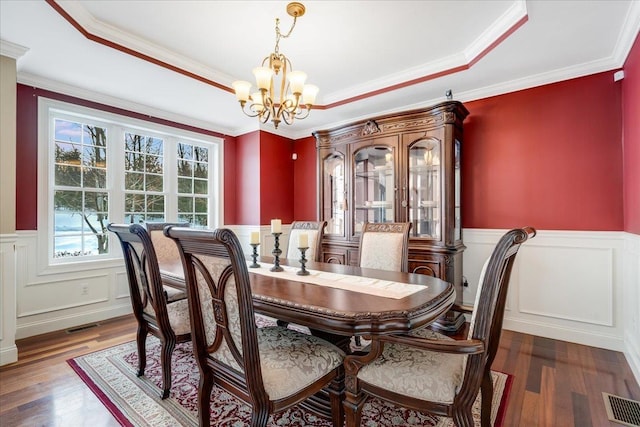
403	167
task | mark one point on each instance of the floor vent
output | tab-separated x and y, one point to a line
81	328
622	411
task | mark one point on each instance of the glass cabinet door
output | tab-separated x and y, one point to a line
334	194
374	186
425	197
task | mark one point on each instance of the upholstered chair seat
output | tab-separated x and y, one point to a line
418	373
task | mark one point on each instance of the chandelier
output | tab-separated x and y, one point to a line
282	93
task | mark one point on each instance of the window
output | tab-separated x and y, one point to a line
104	168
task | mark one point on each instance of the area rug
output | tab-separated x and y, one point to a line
133	401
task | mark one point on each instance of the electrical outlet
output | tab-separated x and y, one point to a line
84	290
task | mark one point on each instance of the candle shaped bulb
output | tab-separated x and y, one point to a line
303	240
276	226
255	237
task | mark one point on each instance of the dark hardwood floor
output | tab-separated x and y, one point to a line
555	383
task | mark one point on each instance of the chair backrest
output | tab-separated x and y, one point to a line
143	273
491	297
221	307
315	231
165	248
385	246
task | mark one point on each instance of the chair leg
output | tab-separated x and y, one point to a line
282	323
259	415
204	398
165	363
141	339
336	397
463	417
353	405
486	390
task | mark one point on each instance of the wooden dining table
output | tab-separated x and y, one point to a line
338	310
353	311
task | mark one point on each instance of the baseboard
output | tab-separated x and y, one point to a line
632	354
8	355
578	336
51	324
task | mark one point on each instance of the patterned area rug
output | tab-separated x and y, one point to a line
111	375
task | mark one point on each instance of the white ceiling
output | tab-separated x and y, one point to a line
362	54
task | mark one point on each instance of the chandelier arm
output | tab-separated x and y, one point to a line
301	116
287	117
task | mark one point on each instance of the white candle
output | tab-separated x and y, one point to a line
255	237
303	240
276	226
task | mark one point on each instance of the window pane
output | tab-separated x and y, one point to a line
155	204
185	151
68	153
154	183
68	176
200	186
96	201
153	164
201	204
67	246
201	221
185	185
68	131
201	154
201	171
184	168
133	181
134	202
185	204
95	178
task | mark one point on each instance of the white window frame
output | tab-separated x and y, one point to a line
116	126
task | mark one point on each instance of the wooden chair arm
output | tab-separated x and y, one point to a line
442	346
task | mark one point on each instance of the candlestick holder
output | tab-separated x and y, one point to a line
254	255
303	271
276	253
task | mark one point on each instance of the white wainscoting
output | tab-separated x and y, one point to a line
8	349
577	286
566	285
61	297
631	301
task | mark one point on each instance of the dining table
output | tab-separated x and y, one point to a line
337	302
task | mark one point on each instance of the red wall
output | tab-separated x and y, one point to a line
247	180
549	157
276	179
305	180
27	151
631	139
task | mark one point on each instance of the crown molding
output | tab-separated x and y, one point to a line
117	38
628	34
12	50
89	95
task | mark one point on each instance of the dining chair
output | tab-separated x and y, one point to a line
270	368
385	246
430	372
314	231
168	257
155	314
